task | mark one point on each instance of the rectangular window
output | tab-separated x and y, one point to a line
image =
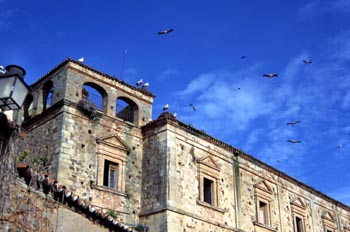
263	216
208	191
299	224
111	174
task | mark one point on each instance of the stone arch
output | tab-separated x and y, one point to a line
28	106
126	109
47	92
96	94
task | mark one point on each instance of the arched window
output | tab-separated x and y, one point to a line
126	109
28	106
95	94
47	94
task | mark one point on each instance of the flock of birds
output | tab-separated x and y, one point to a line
143	85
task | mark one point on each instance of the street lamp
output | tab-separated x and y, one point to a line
13	89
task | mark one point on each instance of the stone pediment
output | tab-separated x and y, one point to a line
208	161
326	215
113	141
298	202
264	186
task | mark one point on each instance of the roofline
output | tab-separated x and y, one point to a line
68	60
168	118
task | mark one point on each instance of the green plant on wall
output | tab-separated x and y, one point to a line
140	228
112	213
22	156
39	161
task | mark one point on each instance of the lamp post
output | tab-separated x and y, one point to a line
13	91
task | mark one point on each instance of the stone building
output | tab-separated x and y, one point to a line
95	134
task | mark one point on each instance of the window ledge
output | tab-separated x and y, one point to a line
205	204
106	189
267	227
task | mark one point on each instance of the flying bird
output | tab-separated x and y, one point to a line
307	61
242	57
139	82
340	145
165	32
165	107
81	59
193	107
270	75
293	141
293	122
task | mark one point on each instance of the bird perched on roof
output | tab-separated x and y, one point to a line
81	59
293	122
139	82
307	61
165	107
270	75
2	70
193	107
293	141
145	85
165	32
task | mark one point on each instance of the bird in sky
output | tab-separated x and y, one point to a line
81	59
242	57
270	75
293	122
293	141
193	107
165	107
139	82
307	61
165	32
340	145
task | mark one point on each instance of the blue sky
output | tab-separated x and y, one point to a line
200	63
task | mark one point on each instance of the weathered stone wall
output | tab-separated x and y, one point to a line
171	179
175	155
33	211
154	173
287	199
41	144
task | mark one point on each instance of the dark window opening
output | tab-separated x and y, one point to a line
263	213
299	224
208	191
47	95
28	107
126	109
95	95
111	174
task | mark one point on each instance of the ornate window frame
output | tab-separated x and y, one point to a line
328	221
208	181
298	207
111	150
263	198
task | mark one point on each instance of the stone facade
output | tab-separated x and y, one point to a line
162	173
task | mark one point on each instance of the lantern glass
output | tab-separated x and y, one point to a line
13	91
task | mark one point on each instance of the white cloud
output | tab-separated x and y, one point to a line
5	17
168	73
318	7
